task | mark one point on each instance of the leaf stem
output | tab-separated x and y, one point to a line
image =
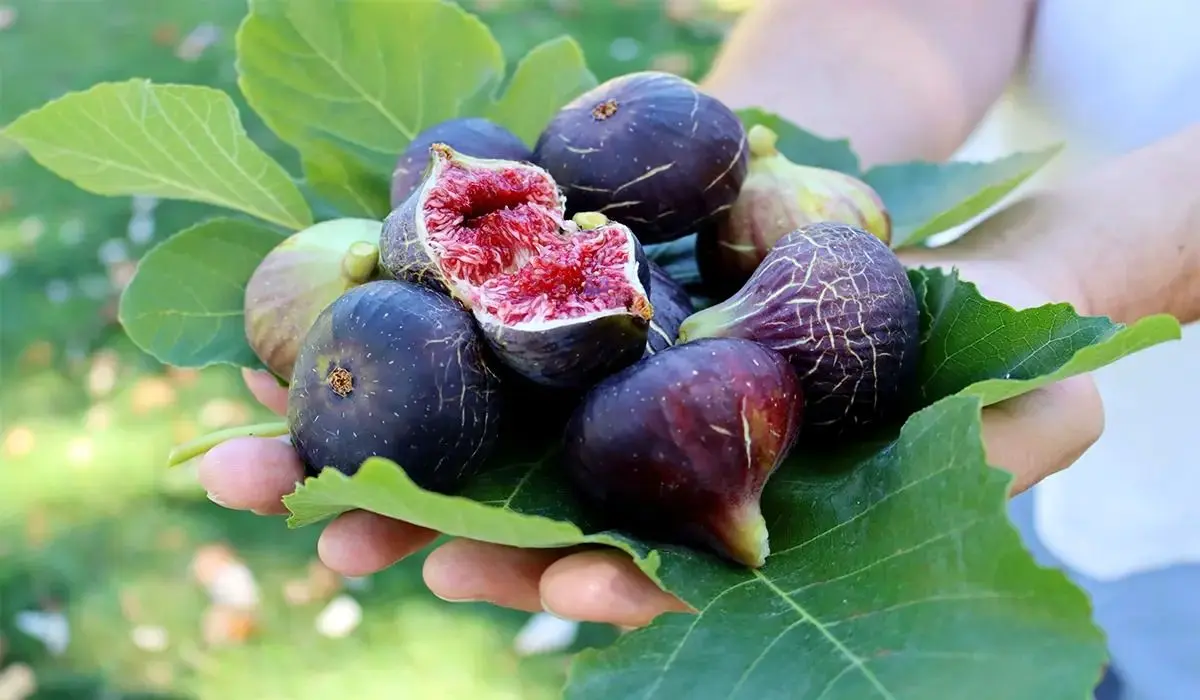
194	448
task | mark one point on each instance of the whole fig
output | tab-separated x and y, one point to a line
837	303
299	278
395	370
779	196
678	447
672	304
473	136
648	149
563	304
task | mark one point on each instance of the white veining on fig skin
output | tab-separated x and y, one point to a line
828	298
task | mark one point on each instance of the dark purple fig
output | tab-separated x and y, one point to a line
473	136
574	314
648	149
836	302
677	448
563	304
779	196
672	304
299	278
395	370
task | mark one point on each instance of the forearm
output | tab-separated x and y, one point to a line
901	79
1122	240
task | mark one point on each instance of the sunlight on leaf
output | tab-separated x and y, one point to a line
173	141
356	81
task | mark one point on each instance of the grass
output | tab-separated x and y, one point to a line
94	527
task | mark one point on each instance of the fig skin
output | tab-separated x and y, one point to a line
648	149
299	278
672	304
395	370
779	196
473	136
837	303
576	355
678	447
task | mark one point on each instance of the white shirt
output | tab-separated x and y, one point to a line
1108	76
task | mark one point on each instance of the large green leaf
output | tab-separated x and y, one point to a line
985	348
360	79
925	199
896	576
184	304
549	76
899	578
803	147
174	141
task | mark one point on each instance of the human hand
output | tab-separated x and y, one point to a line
1032	436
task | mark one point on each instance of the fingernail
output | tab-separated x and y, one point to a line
212	497
467	599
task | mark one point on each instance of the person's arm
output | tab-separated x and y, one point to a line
1122	240
901	79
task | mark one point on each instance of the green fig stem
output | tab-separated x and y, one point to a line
589	220
762	141
745	537
706	323
360	262
194	448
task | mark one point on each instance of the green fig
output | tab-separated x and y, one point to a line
299	278
779	196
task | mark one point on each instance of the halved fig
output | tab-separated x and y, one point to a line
563	303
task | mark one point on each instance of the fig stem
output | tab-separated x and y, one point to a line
589	220
194	448
360	261
762	141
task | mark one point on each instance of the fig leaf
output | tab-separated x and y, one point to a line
184	303
973	345
550	75
336	81
357	80
182	142
878	585
803	147
925	199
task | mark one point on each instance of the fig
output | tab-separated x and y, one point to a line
648	149
562	302
474	136
678	447
672	304
836	302
779	196
396	370
299	278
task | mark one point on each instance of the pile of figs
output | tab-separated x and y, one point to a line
508	293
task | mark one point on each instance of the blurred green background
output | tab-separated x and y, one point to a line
105	556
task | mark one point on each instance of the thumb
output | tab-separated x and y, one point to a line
266	389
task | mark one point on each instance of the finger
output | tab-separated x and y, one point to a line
266	389
467	570
1044	431
358	542
250	473
604	586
